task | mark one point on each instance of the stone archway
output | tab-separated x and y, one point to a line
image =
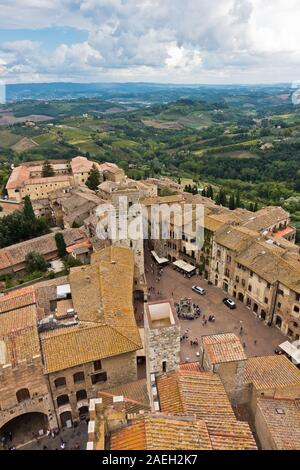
23	428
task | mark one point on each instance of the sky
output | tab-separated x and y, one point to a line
165	41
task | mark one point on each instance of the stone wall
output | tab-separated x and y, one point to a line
27	375
119	369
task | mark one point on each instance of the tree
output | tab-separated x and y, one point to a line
238	200
34	262
209	192
61	245
222	197
204	192
255	208
251	207
231	202
28	210
93	180
47	169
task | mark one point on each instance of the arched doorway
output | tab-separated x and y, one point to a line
66	419
225	286
241	297
23	428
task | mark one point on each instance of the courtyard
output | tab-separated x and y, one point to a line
257	338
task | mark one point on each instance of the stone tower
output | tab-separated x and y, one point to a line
162	343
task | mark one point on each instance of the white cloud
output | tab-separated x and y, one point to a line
206	40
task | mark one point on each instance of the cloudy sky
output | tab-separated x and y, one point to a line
173	41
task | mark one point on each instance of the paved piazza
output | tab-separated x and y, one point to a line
172	282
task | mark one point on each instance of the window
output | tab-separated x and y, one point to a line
164	366
62	400
279	305
298	297
296	309
266	300
97	365
78	377
249	288
251	273
81	395
98	378
22	395
280	292
237	278
219	253
60	382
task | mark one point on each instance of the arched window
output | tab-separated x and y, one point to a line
81	395
23	394
62	400
78	377
60	382
278	321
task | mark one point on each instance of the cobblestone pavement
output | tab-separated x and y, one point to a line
74	438
174	285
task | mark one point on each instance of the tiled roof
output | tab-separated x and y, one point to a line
266	217
85	342
17	298
162	433
81	165
102	299
282	418
18	176
199	394
134	394
19	333
271	371
47	180
16	254
192	366
167	432
225	347
230	435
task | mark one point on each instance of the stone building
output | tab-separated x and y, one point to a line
193	413
224	354
162	342
12	258
27	179
64	342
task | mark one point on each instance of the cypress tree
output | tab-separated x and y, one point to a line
231	202
61	245
28	210
93	180
47	170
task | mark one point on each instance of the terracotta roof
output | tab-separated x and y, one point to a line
199	394
18	176
283	232
81	165
282	418
223	348
192	366
266	217
167	432
230	435
134	394
17	298
102	298
69	346
271	372
83	244
19	333
47	180
162	433
16	254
